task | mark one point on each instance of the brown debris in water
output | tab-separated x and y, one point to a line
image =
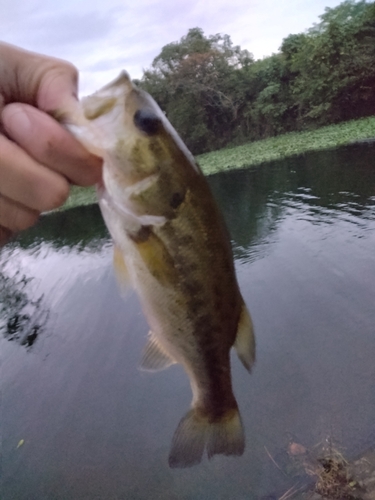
332	476
334	479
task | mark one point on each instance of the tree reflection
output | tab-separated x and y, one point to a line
23	314
327	184
81	228
22	319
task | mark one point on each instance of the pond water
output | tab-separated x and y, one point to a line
79	421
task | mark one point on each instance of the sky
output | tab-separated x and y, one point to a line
102	37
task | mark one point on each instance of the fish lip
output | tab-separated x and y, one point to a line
101	189
103	195
100	186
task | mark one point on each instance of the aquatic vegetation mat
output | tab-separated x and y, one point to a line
294	143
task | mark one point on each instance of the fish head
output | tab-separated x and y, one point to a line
139	146
133	131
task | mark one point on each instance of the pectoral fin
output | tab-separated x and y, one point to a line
155	255
245	340
154	356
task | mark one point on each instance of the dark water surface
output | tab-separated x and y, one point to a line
79	421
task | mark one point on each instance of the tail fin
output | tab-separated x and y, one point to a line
195	432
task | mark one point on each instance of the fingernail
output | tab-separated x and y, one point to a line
16	121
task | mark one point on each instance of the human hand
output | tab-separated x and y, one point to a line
38	157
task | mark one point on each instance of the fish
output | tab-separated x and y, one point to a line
172	245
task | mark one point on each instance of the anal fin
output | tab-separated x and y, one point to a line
155	357
245	340
121	271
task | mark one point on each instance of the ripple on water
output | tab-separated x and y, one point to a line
93	426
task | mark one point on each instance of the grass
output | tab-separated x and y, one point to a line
80	196
282	146
256	153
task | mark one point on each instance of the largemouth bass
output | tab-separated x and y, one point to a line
171	242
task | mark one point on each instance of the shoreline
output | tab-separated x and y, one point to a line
264	151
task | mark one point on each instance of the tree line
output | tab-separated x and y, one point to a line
216	94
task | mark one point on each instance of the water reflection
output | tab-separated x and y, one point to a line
22	317
303	235
80	229
326	187
24	313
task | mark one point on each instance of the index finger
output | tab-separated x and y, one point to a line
50	144
44	82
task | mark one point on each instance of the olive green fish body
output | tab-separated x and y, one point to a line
173	245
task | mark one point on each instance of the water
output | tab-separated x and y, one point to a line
95	427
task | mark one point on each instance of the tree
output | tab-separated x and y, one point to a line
215	94
194	82
335	66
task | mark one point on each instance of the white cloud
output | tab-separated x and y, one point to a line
101	38
70	28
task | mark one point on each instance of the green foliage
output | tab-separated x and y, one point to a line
81	197
293	143
215	94
334	67
344	14
196	83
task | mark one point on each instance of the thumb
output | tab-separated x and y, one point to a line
58	89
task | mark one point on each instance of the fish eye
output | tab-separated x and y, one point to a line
147	121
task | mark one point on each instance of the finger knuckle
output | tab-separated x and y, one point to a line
16	217
69	69
24	219
5	235
58	195
90	173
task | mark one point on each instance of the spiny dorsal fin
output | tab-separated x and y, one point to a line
154	356
245	340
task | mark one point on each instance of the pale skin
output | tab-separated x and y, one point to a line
39	159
